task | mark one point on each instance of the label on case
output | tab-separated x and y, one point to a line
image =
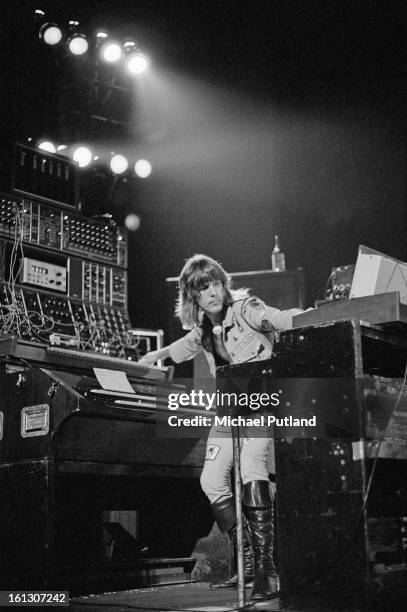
34	420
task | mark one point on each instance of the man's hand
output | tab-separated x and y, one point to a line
149	358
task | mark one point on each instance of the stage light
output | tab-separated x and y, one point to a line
111	52
101	35
142	168
47	145
50	33
83	156
129	44
61	147
78	44
119	164
137	63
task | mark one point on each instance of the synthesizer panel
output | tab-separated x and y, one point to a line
60	230
59	320
63	278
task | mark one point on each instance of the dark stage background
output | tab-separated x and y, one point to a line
259	118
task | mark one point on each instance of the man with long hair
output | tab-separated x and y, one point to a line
231	326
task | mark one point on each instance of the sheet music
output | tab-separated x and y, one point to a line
113	380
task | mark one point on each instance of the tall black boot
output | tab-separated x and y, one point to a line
224	513
258	508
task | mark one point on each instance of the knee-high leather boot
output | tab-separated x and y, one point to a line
224	513
258	508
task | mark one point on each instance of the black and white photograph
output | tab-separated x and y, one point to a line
203	305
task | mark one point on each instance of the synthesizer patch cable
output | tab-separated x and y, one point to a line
63	281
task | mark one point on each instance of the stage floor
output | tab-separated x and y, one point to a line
191	597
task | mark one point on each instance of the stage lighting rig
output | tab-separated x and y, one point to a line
137	63
128	45
111	52
51	34
142	168
47	145
77	41
118	163
86	156
83	156
78	44
109	49
48	31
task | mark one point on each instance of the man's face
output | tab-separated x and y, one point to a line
212	297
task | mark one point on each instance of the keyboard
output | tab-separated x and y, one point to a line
81	359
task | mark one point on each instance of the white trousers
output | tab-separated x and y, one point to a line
256	460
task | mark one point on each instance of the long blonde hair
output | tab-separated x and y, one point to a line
198	271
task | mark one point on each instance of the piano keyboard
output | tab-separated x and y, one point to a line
80	359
